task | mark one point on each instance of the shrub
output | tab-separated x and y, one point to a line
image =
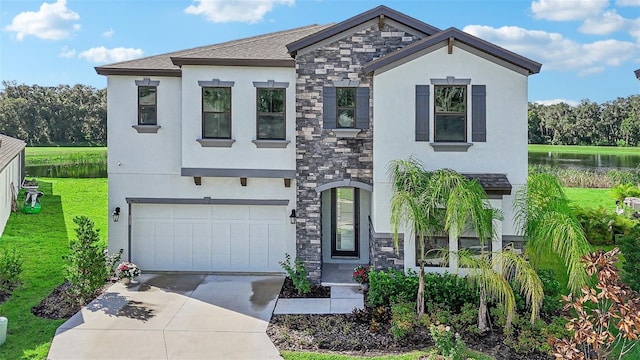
297	273
607	316
601	225
551	287
10	269
622	191
447	343
523	337
403	316
110	262
447	290
86	270
630	247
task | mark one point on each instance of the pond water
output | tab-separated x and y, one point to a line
585	161
85	170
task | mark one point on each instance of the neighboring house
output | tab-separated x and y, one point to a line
11	174
226	157
637	72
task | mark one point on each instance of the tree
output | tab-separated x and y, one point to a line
550	227
428	203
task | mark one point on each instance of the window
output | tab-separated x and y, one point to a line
271	114
346	107
216	112
450	113
147	105
433	258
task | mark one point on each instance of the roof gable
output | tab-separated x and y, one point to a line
9	149
453	34
381	12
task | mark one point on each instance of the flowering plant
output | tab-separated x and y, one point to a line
127	270
361	274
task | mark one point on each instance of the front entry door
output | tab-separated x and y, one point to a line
345	218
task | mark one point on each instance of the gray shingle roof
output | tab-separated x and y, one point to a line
637	74
493	184
262	50
9	149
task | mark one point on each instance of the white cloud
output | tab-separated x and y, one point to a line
104	55
555	51
628	2
603	24
592	70
107	34
220	11
65	52
52	22
566	10
557	101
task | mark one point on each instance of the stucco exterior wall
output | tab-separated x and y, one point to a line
149	165
505	150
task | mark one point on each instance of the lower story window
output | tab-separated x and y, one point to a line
432	257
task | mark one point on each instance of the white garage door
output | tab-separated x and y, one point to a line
208	237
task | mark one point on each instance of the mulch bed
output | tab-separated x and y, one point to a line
357	334
289	291
61	304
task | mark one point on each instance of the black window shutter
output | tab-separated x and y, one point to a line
329	107
362	108
479	113
422	112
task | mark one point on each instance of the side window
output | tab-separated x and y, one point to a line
450	118
216	112
271	114
147	105
346	107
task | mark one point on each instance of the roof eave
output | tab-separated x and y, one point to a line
637	72
420	26
102	70
234	62
532	67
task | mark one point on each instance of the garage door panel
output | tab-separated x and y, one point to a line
225	238
266	213
192	212
230	212
183	245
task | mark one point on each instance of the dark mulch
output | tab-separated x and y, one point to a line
289	291
61	304
357	334
4	296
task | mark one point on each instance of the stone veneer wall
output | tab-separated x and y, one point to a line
321	157
382	251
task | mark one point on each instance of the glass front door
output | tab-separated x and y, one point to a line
344	222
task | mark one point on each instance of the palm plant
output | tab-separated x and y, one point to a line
550	227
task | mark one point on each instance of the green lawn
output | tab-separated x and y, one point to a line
43	240
591	198
609	150
64	155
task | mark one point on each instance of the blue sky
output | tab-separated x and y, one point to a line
588	48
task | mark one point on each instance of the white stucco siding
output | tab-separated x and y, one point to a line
243	153
122	186
8	176
131	152
505	150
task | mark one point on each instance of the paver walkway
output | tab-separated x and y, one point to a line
174	317
343	300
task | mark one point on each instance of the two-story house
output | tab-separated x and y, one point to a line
11	175
226	157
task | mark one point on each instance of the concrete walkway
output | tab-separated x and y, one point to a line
343	300
174	317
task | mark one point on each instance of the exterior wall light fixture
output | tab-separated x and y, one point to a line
116	214
292	217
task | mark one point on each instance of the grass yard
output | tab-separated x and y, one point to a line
43	240
574	149
64	155
591	198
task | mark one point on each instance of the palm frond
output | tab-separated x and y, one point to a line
516	268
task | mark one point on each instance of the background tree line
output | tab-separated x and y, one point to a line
61	115
615	122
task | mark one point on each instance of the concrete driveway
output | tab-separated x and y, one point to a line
171	316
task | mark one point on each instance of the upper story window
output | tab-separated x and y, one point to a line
346	107
216	112
147	105
271	116
450	113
